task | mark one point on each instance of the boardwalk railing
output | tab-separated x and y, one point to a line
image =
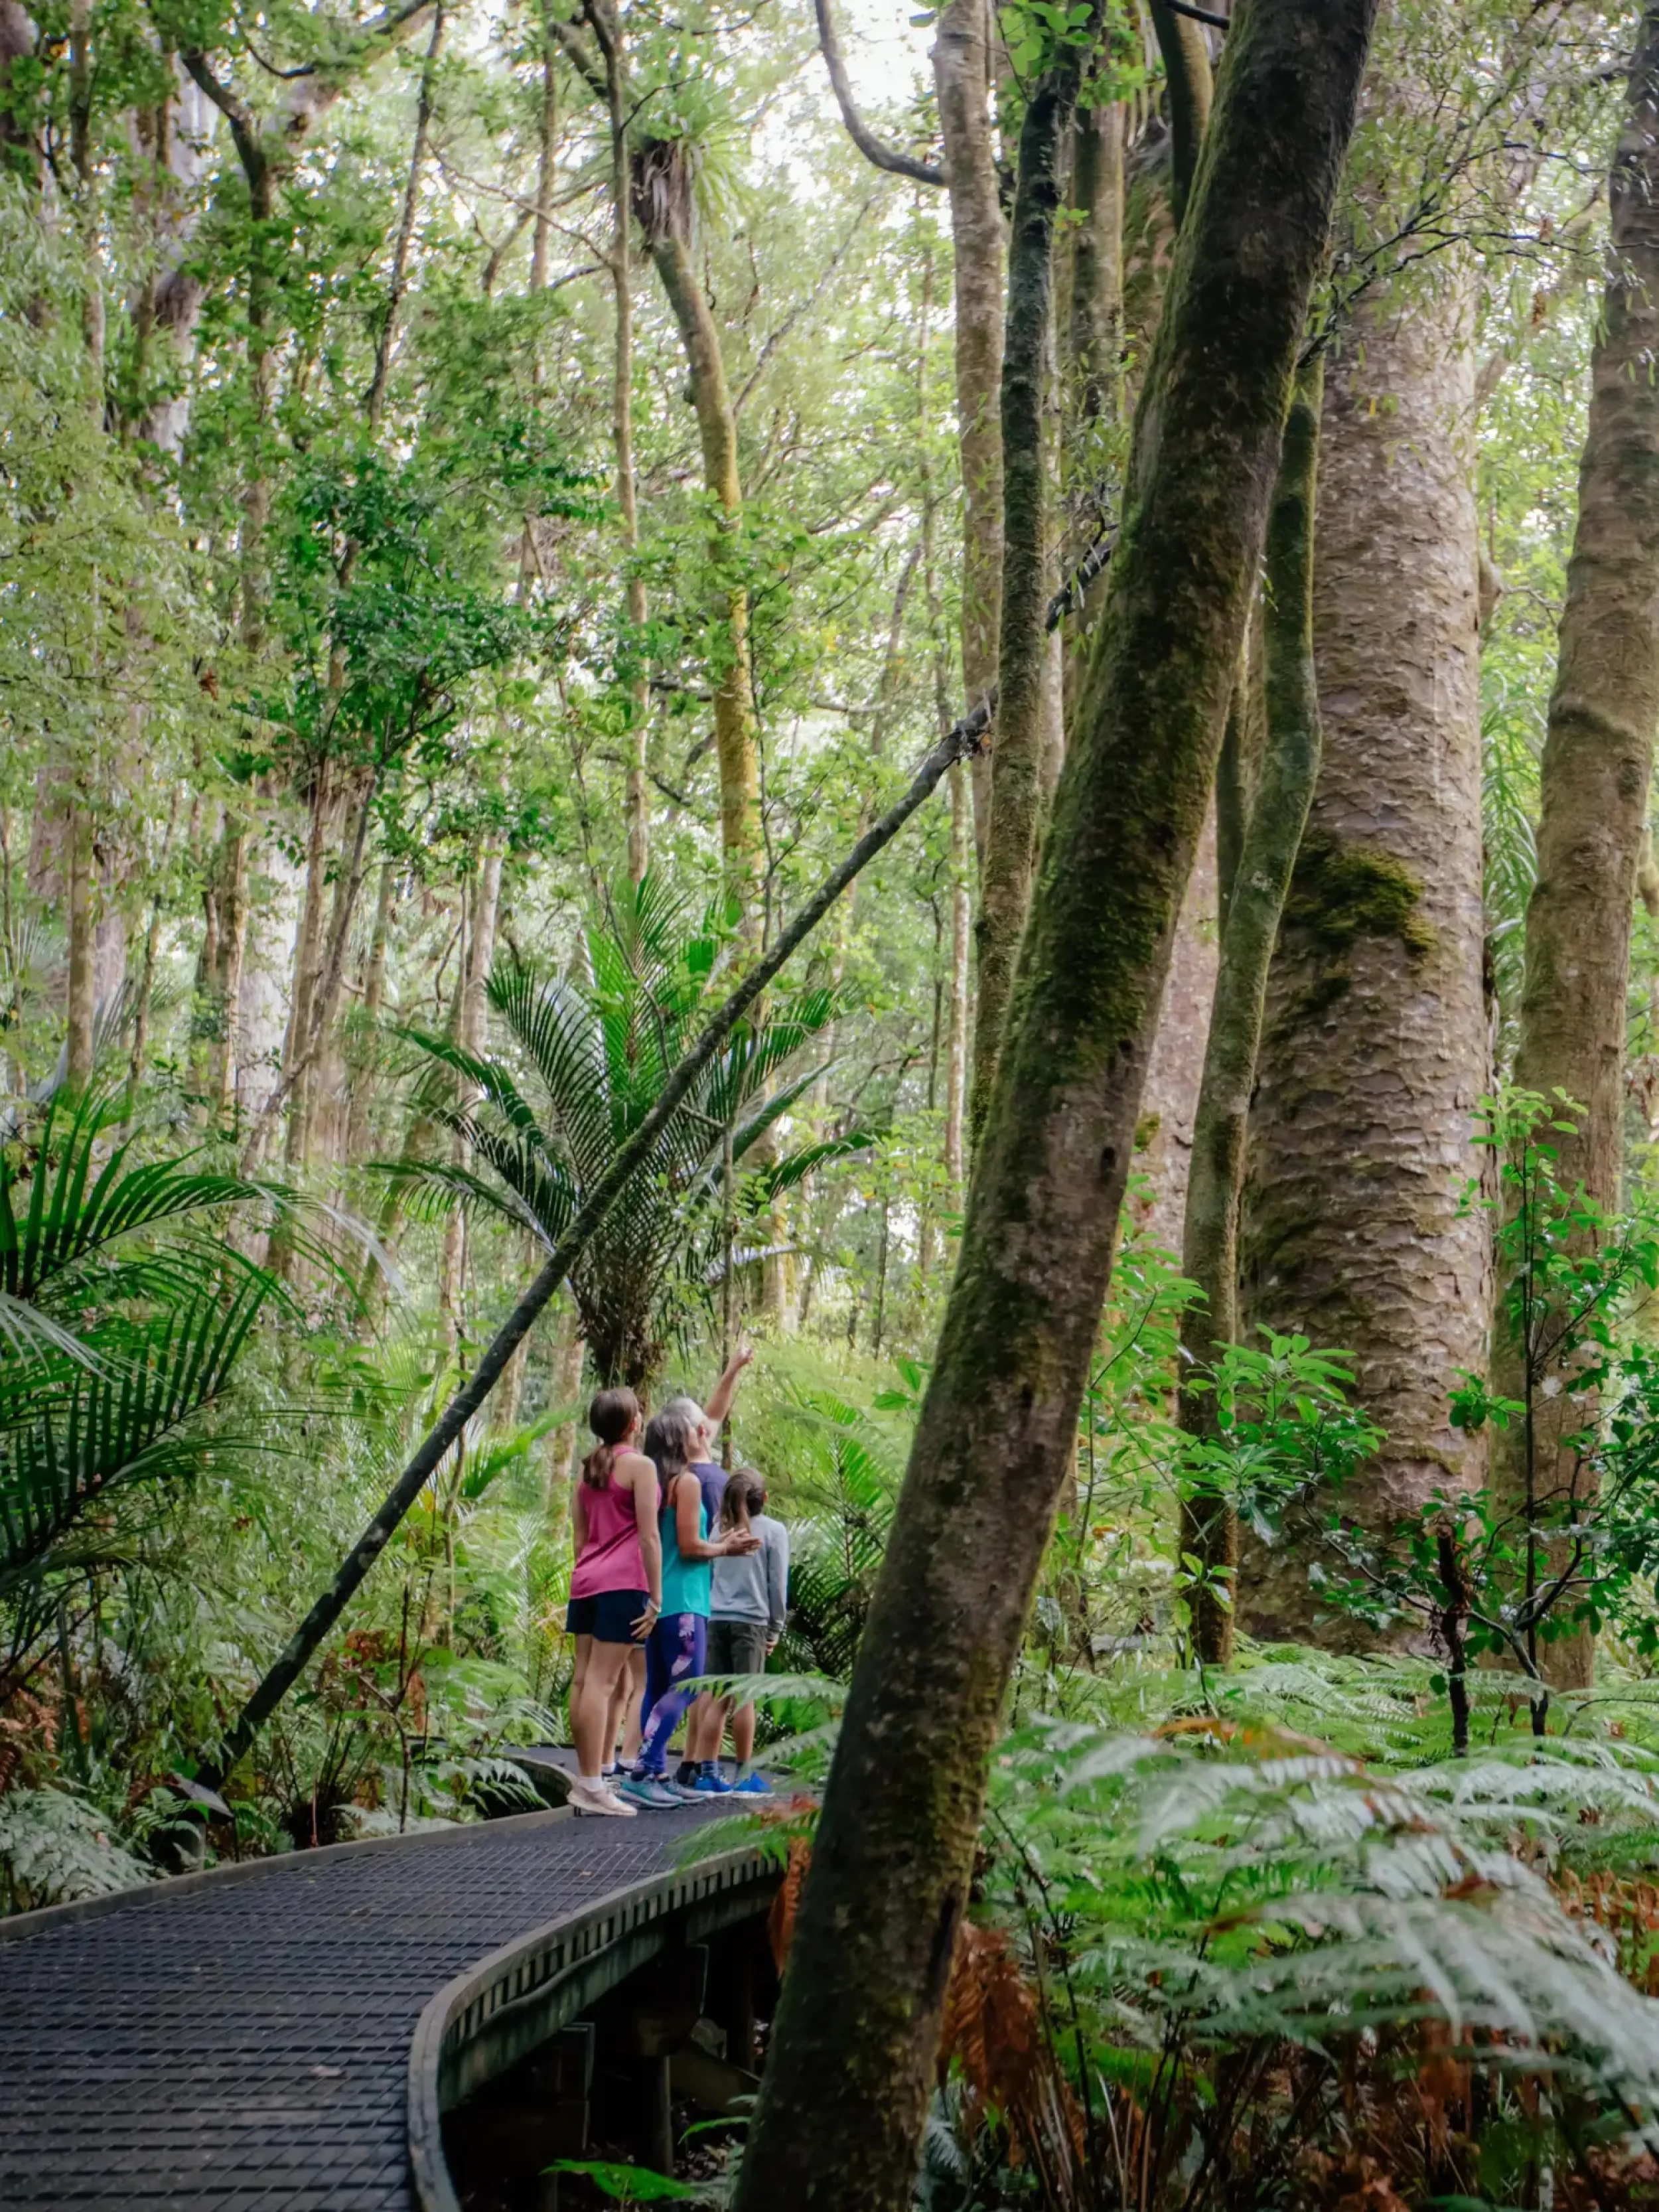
512	2002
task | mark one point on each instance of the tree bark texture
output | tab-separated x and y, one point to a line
962	1011
842	2105
962	75
1008	860
1375	1050
1210	1242
1169	1098
1097	308
1597	766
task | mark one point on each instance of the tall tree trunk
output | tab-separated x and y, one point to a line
419	1138
636	806
394	298
962	75
1017	758
1598	747
83	996
230	915
1374	1053
1210	1242
1096	338
144	1001
841	2104
360	1121
734	699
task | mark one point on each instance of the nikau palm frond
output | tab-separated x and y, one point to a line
67	1209
587	1062
66	1447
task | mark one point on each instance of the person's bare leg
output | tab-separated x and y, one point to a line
614	1715
743	1735
607	1664
633	1704
702	1732
584	1653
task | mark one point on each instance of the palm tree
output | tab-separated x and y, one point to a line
121	1321
588	1059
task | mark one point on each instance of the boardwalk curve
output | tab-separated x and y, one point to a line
248	2037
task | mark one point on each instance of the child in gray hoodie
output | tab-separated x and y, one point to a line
747	1613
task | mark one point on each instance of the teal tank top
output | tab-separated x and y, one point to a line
687	1584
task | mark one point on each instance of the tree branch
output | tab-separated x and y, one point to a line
580	60
883	157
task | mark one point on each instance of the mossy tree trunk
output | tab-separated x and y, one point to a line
1261	878
842	2105
1191	91
1598	747
962	75
1375	1051
734	697
1008	859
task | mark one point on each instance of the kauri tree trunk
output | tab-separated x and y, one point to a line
842	2105
1598	746
1375	1051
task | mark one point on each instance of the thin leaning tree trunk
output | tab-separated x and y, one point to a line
1598	746
843	2102
1210	1243
1017	758
734	698
1192	93
394	298
962	77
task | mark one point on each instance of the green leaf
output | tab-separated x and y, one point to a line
630	2185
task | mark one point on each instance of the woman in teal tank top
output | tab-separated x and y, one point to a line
676	1648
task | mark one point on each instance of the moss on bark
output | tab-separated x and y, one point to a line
1008	861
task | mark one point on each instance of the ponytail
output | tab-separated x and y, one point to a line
610	1416
745	1496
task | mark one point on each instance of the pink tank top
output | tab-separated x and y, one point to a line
610	1559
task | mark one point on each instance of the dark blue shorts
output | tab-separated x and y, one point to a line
608	1617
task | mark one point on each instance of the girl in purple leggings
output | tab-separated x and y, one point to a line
675	1649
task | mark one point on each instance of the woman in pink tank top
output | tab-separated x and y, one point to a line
615	1589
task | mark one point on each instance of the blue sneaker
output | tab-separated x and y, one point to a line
652	1793
752	1785
709	1784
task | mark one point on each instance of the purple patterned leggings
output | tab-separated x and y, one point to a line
674	1653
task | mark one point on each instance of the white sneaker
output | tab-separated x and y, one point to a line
594	1797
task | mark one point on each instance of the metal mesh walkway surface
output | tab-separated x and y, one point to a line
244	2040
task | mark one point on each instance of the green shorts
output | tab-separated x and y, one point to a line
736	1647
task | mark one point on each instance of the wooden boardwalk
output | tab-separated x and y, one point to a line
243	2037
